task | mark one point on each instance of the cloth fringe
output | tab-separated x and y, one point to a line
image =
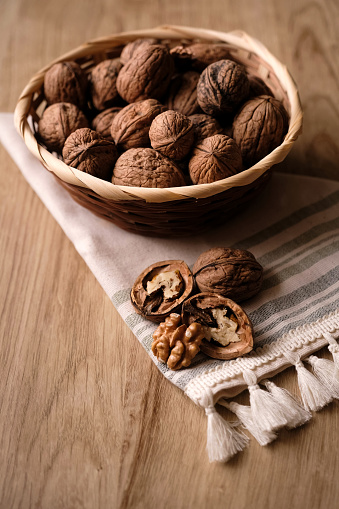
326	371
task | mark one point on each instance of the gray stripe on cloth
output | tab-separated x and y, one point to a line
120	297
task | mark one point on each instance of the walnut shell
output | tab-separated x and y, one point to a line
103	80
172	134
198	309
147	74
205	126
258	86
222	87
66	82
145	167
102	123
131	126
130	48
58	121
234	273
259	127
213	159
91	153
199	55
155	307
182	96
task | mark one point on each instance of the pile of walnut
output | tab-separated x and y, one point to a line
197	309
160	117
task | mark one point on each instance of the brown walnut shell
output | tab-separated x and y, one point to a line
103	80
259	127
205	126
130	48
130	127
145	167
146	75
213	159
258	86
172	134
66	82
91	153
58	121
199	55
102	123
234	273
155	307
182	96
222	87
199	308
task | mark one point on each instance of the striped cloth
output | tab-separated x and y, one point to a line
292	228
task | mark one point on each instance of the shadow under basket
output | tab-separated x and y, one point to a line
179	211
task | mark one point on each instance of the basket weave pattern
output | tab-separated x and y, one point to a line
174	211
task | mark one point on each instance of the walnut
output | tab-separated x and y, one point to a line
161	289
103	80
234	273
66	82
228	332
182	94
258	86
205	126
131	127
177	344
144	167
147	74
130	48
58	121
259	127
213	159
172	134
222	87
198	56
102	123
91	153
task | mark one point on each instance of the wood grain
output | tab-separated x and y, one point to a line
86	419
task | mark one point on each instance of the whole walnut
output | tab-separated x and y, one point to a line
222	87
103	80
66	82
182	94
205	126
199	55
102	123
147	74
259	127
58	121
145	167
131	126
233	273
258	86
213	159
91	153
130	48
172	134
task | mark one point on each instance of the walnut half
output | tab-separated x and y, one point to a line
177	344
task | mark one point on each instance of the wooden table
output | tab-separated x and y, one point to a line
86	418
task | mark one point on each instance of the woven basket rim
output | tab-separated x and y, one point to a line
107	190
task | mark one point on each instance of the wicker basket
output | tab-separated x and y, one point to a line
174	211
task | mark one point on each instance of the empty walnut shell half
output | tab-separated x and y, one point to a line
161	289
233	273
222	87
226	325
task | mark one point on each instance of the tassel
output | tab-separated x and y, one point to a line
244	414
333	348
294	412
327	373
223	440
266	412
314	394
